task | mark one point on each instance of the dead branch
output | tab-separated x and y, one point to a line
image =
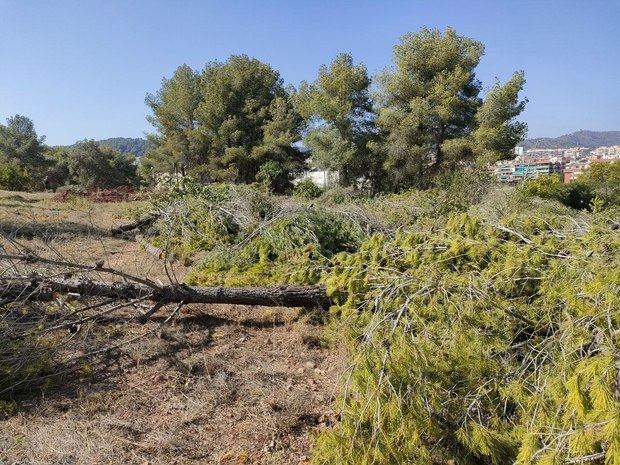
99	267
141	222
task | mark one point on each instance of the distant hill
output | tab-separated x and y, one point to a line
591	139
134	145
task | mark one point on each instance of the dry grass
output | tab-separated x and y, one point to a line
220	384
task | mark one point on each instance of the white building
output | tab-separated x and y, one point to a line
322	179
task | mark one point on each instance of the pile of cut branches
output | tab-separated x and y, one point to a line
484	341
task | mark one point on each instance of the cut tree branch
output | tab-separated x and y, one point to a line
141	222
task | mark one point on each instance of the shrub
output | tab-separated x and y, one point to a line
575	195
14	178
307	189
93	166
338	195
272	177
603	180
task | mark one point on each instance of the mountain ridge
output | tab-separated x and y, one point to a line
581	138
134	145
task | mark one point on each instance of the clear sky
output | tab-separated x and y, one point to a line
81	69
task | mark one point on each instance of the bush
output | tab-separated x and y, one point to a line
14	178
273	178
307	189
93	166
603	181
338	195
575	195
598	185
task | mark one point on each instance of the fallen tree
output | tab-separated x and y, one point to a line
49	305
45	289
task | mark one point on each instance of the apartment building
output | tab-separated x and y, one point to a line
519	170
568	163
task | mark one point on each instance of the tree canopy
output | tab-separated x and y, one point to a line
91	165
431	111
19	142
225	122
338	105
236	121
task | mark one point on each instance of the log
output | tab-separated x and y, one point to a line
43	289
141	222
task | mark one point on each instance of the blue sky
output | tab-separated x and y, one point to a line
81	69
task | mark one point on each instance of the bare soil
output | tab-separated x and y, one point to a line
217	385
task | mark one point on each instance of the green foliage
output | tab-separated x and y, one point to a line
201	216
480	341
482	322
307	189
578	195
20	144
452	192
243	235
331	151
603	180
225	123
13	177
272	177
339	106
57	174
431	113
293	249
91	165
338	195
228	121
498	133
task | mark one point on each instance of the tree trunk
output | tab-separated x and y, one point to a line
277	296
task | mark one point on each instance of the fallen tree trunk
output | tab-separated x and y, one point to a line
42	289
141	222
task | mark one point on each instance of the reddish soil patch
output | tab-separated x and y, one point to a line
113	194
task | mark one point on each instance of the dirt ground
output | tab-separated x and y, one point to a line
217	385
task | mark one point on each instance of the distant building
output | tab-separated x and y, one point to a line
606	153
519	170
322	178
568	162
533	169
574	169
